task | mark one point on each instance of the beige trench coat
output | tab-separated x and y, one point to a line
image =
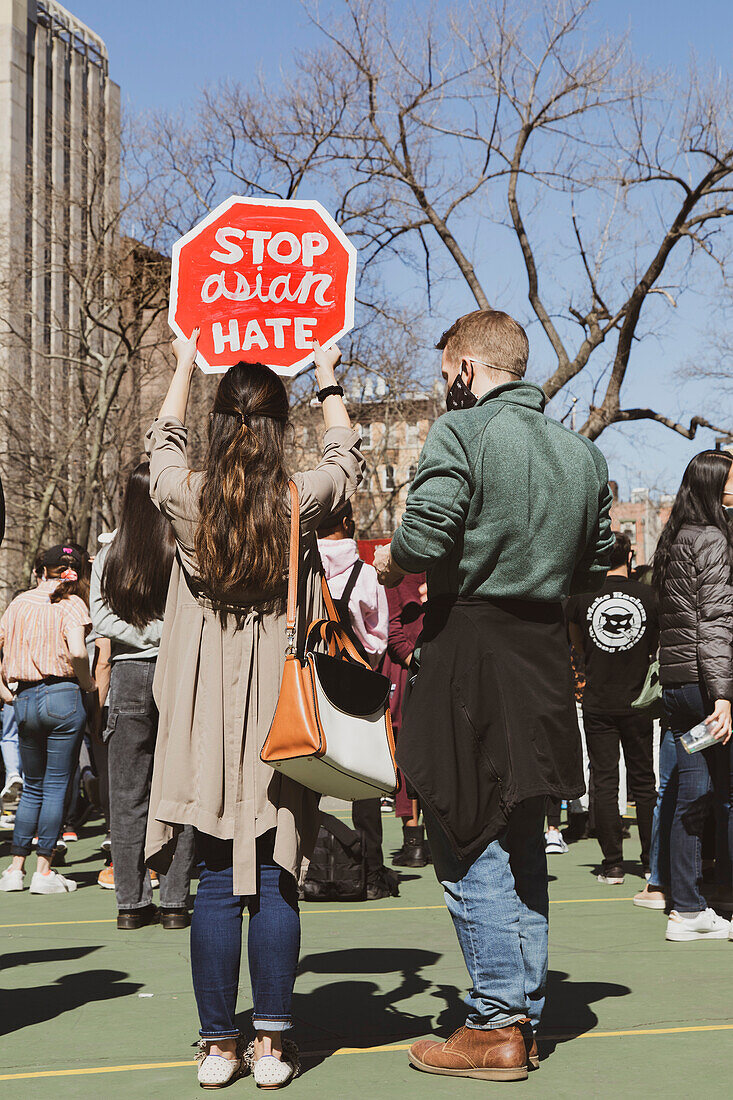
217	687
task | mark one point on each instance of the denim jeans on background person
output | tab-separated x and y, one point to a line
9	743
664	812
700	774
499	905
606	735
273	944
51	720
130	735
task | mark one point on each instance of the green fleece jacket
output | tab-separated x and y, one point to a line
507	503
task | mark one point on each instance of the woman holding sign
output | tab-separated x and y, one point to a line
217	682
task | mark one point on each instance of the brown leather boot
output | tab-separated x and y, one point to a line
530	1045
499	1054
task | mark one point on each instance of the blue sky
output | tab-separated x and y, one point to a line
163	52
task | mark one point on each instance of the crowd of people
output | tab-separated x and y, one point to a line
140	686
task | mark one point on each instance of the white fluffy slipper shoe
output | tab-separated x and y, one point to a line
216	1072
270	1072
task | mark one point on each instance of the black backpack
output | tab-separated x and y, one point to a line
337	870
342	608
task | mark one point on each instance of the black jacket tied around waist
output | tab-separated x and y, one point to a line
491	718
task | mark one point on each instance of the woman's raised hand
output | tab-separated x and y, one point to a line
185	350
176	400
325	362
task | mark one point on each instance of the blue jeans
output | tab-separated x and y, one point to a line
51	720
700	774
9	743
499	906
216	940
664	812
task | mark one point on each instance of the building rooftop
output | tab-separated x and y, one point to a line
82	38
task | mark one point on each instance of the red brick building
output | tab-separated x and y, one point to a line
641	518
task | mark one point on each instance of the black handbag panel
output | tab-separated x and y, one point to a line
350	687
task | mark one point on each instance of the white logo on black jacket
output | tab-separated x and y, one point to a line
616	621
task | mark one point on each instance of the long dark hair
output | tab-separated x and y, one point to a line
698	503
139	561
242	535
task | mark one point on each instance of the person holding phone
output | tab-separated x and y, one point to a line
692	575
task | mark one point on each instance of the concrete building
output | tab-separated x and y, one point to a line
59	200
393	431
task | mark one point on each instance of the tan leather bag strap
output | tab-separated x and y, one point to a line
338	639
292	606
332	634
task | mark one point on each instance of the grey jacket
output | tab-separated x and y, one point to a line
128	642
696	613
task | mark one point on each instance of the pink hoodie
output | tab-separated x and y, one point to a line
368	602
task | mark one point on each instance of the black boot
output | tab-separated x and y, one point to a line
382	883
414	850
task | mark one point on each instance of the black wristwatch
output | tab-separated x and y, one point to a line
330	391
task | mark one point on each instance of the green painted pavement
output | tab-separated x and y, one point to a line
371	975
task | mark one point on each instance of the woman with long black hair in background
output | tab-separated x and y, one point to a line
692	574
130	580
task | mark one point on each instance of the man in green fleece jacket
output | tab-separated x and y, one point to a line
508	514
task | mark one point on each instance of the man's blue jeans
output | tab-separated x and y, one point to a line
9	743
663	812
700	775
216	940
499	905
51	720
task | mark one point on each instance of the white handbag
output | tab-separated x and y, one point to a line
332	729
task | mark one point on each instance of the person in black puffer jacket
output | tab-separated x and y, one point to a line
692	574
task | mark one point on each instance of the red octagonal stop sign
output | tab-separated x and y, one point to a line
262	280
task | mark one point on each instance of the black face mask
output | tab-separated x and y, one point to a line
459	396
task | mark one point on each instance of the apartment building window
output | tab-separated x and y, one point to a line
412	435
366	436
389	482
411	472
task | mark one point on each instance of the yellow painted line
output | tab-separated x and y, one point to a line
100	1069
648	1031
320	912
361	1050
582	901
55	923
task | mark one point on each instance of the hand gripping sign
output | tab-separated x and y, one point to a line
262	279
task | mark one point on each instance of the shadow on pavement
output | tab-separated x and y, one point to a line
567	1012
36	1004
356	1011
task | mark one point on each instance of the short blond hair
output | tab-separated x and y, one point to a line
490	337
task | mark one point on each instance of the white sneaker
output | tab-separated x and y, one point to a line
215	1071
12	879
554	843
613	877
11	792
52	883
705	926
647	899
